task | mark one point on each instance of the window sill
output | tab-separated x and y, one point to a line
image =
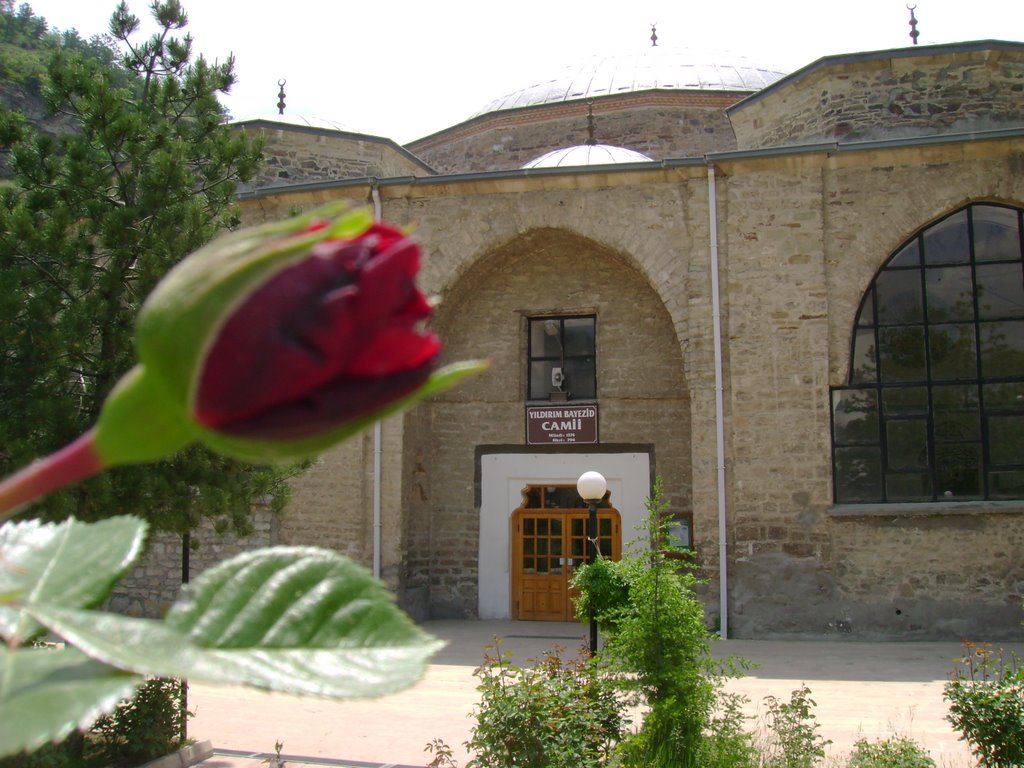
926	509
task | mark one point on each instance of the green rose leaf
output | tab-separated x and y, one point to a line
70	564
291	619
46	693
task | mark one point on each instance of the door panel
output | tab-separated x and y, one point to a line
542	582
547	545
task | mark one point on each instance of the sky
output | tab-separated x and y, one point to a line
408	68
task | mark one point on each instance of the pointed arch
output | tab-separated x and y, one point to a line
933	408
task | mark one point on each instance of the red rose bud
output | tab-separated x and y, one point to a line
326	340
270	343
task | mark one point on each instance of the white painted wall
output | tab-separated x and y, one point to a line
503	477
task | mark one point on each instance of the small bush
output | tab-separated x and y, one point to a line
793	740
142	728
895	752
557	714
604	584
443	757
726	743
63	755
657	647
147	726
987	706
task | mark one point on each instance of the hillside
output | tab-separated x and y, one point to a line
26	44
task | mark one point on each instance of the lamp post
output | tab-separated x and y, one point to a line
592	487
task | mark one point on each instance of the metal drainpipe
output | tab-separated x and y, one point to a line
378	523
716	318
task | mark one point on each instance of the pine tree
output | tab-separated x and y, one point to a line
93	219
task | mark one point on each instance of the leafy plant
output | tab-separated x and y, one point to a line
275	761
793	738
603	584
656	644
67	754
292	619
141	728
895	752
727	744
555	714
443	757
987	706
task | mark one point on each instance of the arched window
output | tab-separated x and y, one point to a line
934	406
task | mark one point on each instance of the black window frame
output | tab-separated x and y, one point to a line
534	357
924	428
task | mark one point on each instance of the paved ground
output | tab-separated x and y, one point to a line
862	690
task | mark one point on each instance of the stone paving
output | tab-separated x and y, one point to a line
862	690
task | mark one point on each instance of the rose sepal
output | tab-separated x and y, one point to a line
141	422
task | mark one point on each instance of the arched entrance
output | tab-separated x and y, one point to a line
549	542
469	453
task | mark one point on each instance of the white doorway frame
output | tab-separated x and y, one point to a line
502	479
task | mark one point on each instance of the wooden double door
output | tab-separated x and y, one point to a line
548	543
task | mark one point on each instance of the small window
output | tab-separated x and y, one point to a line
563	358
679	530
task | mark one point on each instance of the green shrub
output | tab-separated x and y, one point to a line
726	743
987	706
147	726
556	714
793	740
895	752
143	728
605	585
64	755
657	647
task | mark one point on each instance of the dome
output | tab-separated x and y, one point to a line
587	154
654	68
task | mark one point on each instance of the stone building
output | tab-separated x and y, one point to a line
801	305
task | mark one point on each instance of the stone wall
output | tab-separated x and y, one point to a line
299	154
888	94
948	574
658	124
800	237
332	502
803	243
150	588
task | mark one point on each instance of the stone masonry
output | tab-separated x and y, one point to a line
834	168
869	96
657	124
800	238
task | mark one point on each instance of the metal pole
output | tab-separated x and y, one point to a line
186	575
592	535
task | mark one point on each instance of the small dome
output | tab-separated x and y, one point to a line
654	68
587	154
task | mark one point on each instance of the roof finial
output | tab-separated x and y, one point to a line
913	24
591	141
280	96
654	35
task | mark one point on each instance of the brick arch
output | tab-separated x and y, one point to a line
554	271
642	392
